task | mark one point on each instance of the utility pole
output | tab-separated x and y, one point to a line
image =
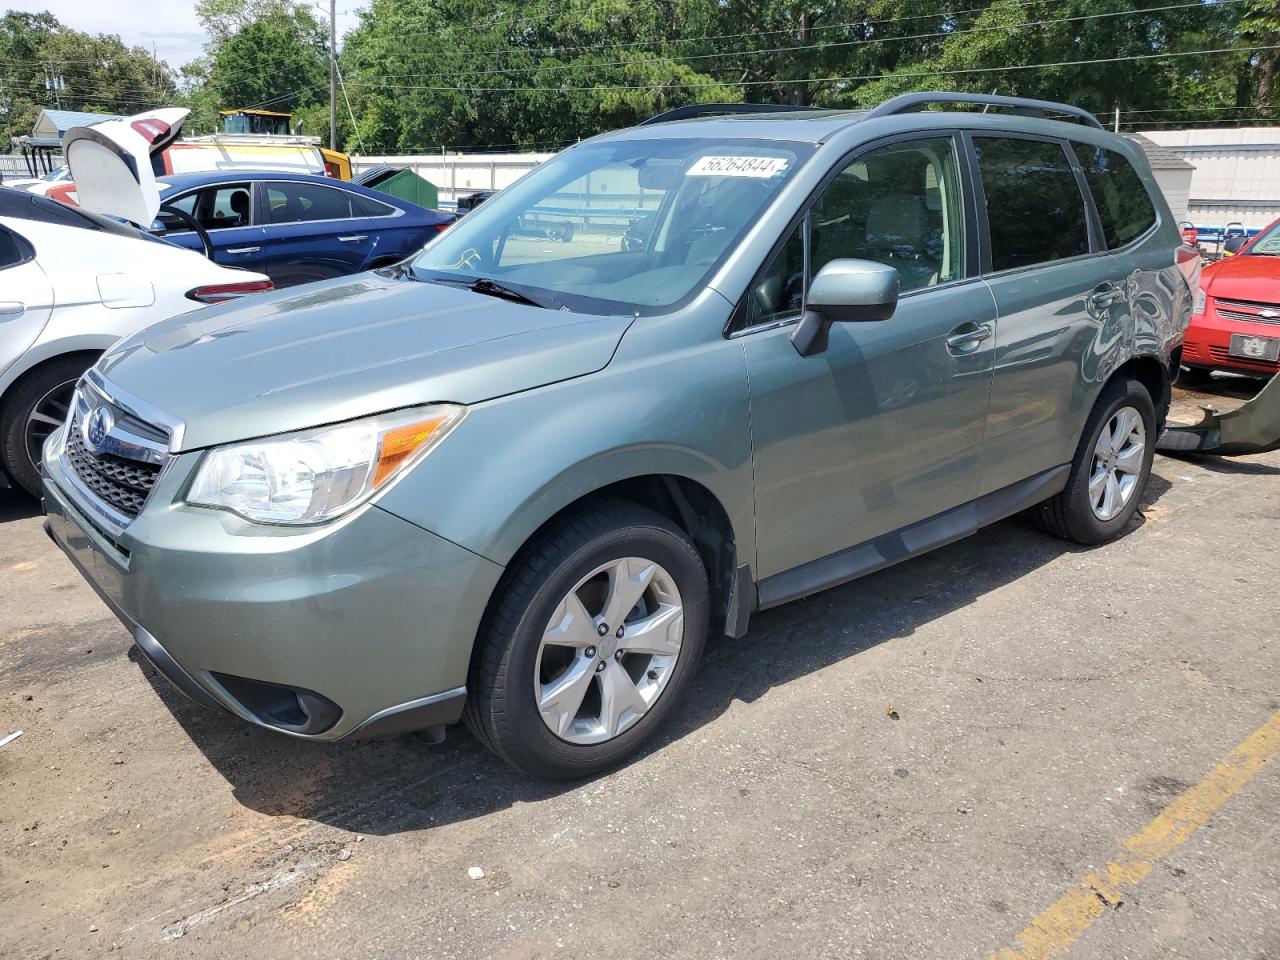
333	74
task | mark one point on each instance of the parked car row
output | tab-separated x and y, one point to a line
518	482
75	277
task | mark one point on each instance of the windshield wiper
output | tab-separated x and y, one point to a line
492	288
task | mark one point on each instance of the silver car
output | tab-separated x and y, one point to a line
521	477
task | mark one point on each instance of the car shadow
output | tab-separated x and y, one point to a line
16	505
398	785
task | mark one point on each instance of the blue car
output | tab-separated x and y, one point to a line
293	227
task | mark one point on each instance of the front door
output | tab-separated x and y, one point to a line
225	211
884	428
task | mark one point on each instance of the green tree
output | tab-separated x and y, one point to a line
97	72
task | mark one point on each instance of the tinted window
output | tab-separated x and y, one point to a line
1034	207
362	206
13	249
898	205
301	202
1123	203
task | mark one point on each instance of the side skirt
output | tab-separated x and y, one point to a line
910	541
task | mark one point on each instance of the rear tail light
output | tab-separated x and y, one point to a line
442	227
221	292
1187	259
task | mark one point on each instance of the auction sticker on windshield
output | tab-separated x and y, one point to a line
737	167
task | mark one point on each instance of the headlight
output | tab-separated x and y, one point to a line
319	474
1200	302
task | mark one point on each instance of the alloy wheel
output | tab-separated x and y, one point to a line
609	651
47	414
1117	463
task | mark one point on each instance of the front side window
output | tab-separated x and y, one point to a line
1124	206
632	226
899	204
1035	211
214	208
304	202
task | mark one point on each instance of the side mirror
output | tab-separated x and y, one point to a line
845	291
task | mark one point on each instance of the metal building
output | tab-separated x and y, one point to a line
1237	172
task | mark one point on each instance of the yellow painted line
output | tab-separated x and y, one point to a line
1063	923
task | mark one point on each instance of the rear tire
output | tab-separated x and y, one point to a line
40	396
1108	478
530	644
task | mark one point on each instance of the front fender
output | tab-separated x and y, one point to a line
515	462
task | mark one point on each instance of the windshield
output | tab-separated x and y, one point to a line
622	227
1267	243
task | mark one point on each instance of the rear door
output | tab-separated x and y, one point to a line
1057	294
26	297
310	232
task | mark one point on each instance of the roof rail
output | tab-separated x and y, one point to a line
694	110
913	102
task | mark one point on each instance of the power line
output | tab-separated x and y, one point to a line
969	71
944	35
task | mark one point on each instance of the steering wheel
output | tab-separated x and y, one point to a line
194	224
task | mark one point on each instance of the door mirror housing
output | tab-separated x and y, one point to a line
845	291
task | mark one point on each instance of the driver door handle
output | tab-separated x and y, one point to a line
243	249
967	336
352	238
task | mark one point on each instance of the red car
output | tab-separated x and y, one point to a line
1236	321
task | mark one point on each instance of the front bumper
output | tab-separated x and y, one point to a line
1209	338
370	620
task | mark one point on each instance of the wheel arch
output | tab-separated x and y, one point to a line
1152	373
699	513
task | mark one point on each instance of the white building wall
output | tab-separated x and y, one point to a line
1237	175
456	175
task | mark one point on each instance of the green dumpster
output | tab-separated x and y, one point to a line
401	183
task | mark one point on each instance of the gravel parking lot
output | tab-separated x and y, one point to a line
1009	747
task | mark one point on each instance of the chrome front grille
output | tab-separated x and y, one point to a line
111	456
1250	311
121	484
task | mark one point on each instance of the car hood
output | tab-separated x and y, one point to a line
1245	277
346	348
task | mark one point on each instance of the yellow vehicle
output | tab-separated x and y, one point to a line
248	127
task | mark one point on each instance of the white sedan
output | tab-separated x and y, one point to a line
71	284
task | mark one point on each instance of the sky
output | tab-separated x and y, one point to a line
170	26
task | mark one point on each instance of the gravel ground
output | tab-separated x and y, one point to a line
914	765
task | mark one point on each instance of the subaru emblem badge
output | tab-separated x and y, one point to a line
96	428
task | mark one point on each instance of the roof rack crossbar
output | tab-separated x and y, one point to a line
914	102
693	110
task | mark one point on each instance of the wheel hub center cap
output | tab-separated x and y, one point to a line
608	645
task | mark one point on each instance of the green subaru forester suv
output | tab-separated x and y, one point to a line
675	375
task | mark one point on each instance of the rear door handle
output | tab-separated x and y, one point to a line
354	237
12	308
243	249
1104	295
967	336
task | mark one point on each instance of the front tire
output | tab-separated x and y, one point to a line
589	643
1110	470
35	407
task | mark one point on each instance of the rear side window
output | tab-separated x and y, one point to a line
13	249
1035	210
362	206
1123	203
304	202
